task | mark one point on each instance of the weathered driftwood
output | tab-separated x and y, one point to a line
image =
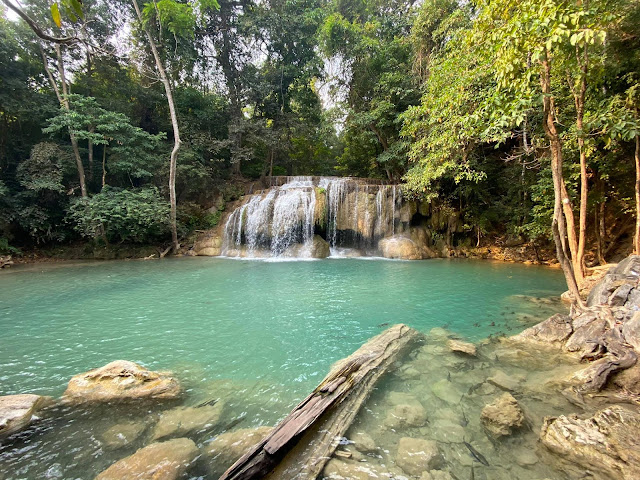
300	445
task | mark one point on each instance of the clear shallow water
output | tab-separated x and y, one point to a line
257	334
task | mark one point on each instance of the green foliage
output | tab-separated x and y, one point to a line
43	169
137	216
6	249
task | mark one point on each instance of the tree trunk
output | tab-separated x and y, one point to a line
64	102
176	131
637	233
90	147
104	165
558	180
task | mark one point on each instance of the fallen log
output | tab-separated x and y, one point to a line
300	445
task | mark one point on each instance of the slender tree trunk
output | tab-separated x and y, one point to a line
558	180
602	230
104	165
64	102
176	131
92	129
637	233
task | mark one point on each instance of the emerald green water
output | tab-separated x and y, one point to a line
258	334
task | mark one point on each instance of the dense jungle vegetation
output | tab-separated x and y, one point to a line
122	121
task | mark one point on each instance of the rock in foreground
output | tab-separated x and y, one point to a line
120	381
459	346
608	442
158	461
416	455
184	420
16	412
399	247
225	449
502	416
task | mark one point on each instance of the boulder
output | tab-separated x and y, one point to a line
17	411
502	416
462	347
631	331
504	381
158	461
122	434
405	415
416	455
606	443
611	288
447	391
436	475
400	247
316	248
228	447
582	337
554	330
181	421
363	442
120	381
208	246
628	379
340	469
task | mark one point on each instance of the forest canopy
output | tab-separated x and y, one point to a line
113	110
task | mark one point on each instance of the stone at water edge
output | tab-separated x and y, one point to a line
462	347
228	447
502	416
158	461
120	381
554	330
631	331
208	246
184	420
607	443
415	455
399	247
17	411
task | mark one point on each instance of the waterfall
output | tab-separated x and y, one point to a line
306	216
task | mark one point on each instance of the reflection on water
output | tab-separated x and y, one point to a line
251	339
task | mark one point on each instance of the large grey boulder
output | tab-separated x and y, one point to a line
17	411
554	330
399	247
120	381
416	455
619	286
607	443
158	461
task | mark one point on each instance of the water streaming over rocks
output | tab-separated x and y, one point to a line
298	215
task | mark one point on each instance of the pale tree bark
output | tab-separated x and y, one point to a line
559	222
174	123
637	233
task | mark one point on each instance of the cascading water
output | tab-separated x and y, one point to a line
298	215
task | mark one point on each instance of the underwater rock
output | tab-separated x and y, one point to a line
228	447
340	469
462	347
436	475
405	415
158	461
400	247
504	381
120	381
555	329
447	391
16	411
184	420
363	442
415	455
501	416
122	434
606	443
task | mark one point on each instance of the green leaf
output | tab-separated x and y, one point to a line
77	7
55	14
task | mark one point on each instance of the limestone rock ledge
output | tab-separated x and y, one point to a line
120	381
16	411
607	442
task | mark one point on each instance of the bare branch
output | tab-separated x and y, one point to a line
36	29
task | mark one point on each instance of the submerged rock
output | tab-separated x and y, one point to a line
122	434
405	415
436	475
504	381
228	447
416	455
120	381
184	420
363	442
502	416
462	347
339	469
447	391
607	443
17	411
158	461
399	247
